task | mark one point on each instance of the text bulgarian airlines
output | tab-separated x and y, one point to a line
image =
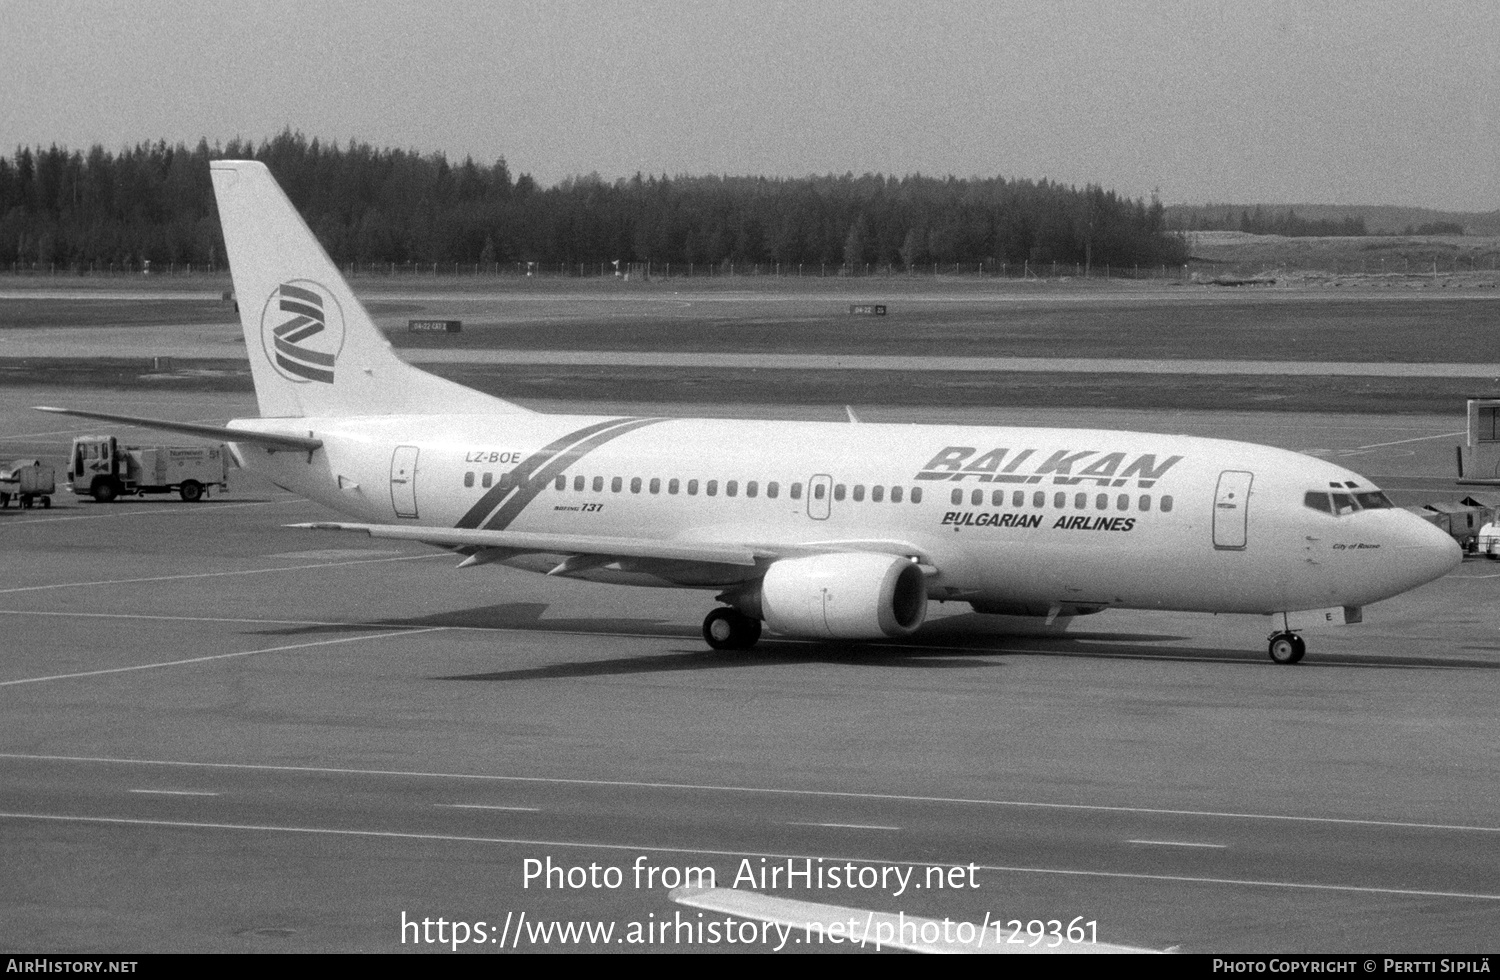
1001	466
984	518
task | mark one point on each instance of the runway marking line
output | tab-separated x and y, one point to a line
840	826
197	575
156	512
1176	843
221	656
769	791
490	806
175	792
716	852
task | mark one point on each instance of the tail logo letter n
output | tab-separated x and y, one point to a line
302	331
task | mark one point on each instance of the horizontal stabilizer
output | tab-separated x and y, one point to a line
562	544
273	440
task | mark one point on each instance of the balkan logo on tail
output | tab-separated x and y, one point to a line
302	330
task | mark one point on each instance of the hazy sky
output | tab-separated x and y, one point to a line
1281	102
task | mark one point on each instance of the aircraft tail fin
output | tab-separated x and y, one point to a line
313	349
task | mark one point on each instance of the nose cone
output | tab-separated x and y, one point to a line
1425	552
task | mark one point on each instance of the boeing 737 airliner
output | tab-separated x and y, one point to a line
816	530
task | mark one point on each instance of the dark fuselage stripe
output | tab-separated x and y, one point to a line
528	491
522	473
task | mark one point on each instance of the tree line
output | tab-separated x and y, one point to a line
154	202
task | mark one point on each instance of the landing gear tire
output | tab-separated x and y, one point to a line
730	629
1287	648
191	491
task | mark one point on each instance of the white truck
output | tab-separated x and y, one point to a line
101	468
27	480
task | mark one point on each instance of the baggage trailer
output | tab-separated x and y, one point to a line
101	468
27	480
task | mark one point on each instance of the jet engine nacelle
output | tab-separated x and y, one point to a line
854	596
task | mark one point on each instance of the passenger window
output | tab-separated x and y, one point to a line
1039	499
895	495
1080	501
752	488
976	498
838	491
1145	501
635	484
562	483
1102	501
487	480
796	492
1018	499
578	483
916	495
656	484
1123	503
712	488
859	492
731	488
1317	500
818	491
598	483
877	494
956	497
615	484
469	479
673	485
507	481
997	499
773	490
1166	503
692	488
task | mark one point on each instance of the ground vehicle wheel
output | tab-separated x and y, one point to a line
730	629
4	500
104	490
46	503
1287	648
191	491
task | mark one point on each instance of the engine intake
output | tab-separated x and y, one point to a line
854	596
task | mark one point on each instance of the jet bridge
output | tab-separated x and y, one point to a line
1479	459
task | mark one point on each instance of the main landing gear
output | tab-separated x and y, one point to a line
727	628
1287	647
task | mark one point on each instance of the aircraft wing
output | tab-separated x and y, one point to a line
744	554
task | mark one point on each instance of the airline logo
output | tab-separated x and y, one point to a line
1065	467
302	330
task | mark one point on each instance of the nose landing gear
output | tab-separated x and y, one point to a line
1286	647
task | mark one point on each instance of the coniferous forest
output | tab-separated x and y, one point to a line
97	210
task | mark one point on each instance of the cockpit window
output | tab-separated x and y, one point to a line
1318	500
1346	503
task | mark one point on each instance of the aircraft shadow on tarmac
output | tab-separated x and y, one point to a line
962	642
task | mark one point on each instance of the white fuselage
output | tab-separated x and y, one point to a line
1008	517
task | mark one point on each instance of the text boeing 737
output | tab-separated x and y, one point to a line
818	530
